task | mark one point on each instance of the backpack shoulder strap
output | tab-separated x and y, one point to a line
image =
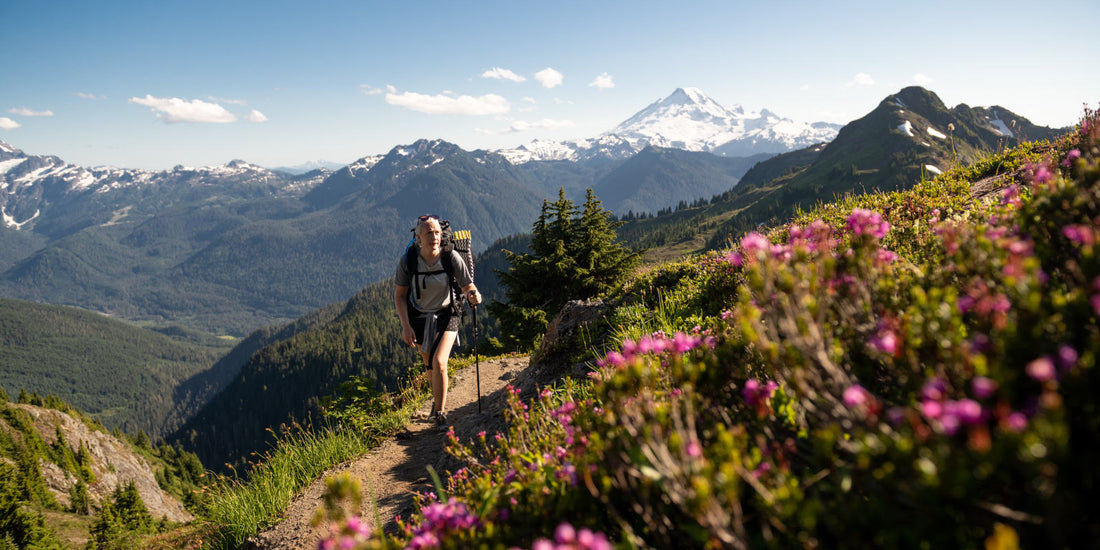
411	264
458	304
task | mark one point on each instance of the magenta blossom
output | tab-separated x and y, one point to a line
754	243
1073	155
1042	174
566	537
1081	235
968	411
1041	369
931	409
933	389
856	396
1016	422
1067	357
983	387
756	394
885	341
867	222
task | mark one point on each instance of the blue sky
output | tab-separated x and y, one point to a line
153	84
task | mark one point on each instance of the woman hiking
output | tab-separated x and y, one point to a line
428	306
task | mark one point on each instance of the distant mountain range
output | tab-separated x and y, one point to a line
231	248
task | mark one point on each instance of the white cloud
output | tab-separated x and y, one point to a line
549	78
256	116
921	80
544	124
229	101
861	79
502	74
370	90
174	109
603	82
8	124
804	87
84	95
23	111
488	104
529	104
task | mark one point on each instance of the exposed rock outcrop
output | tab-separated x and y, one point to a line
113	464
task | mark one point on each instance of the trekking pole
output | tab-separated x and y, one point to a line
477	363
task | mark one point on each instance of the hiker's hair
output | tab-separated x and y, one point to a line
425	219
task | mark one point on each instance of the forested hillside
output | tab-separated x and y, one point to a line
284	382
123	375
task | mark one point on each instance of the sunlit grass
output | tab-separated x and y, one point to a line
241	508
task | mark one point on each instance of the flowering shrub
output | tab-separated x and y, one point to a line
912	369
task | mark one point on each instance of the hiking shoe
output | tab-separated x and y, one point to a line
441	418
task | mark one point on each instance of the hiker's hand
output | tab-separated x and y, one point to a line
408	335
474	296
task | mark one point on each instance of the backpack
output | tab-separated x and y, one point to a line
449	241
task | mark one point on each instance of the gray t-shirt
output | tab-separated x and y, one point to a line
431	293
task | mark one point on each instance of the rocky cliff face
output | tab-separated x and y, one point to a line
113	463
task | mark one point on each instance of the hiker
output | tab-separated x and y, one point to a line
427	306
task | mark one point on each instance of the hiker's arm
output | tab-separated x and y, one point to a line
472	294
400	301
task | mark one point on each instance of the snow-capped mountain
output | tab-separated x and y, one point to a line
310	166
30	184
689	120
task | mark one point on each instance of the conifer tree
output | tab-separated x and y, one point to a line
574	257
79	498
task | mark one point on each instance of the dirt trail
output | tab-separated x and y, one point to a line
398	468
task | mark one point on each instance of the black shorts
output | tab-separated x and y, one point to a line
445	321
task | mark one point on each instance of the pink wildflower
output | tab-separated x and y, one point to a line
1016	422
949	423
867	222
612	359
1041	174
933	389
1041	369
1067	357
855	396
565	533
754	243
694	450
983	387
968	411
931	409
1081	235
885	341
682	343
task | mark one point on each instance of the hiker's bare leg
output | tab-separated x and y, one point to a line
431	376
439	370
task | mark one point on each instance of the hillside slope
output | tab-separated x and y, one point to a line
123	375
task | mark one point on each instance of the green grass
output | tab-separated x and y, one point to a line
240	509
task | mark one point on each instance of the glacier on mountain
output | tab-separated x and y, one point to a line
689	120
